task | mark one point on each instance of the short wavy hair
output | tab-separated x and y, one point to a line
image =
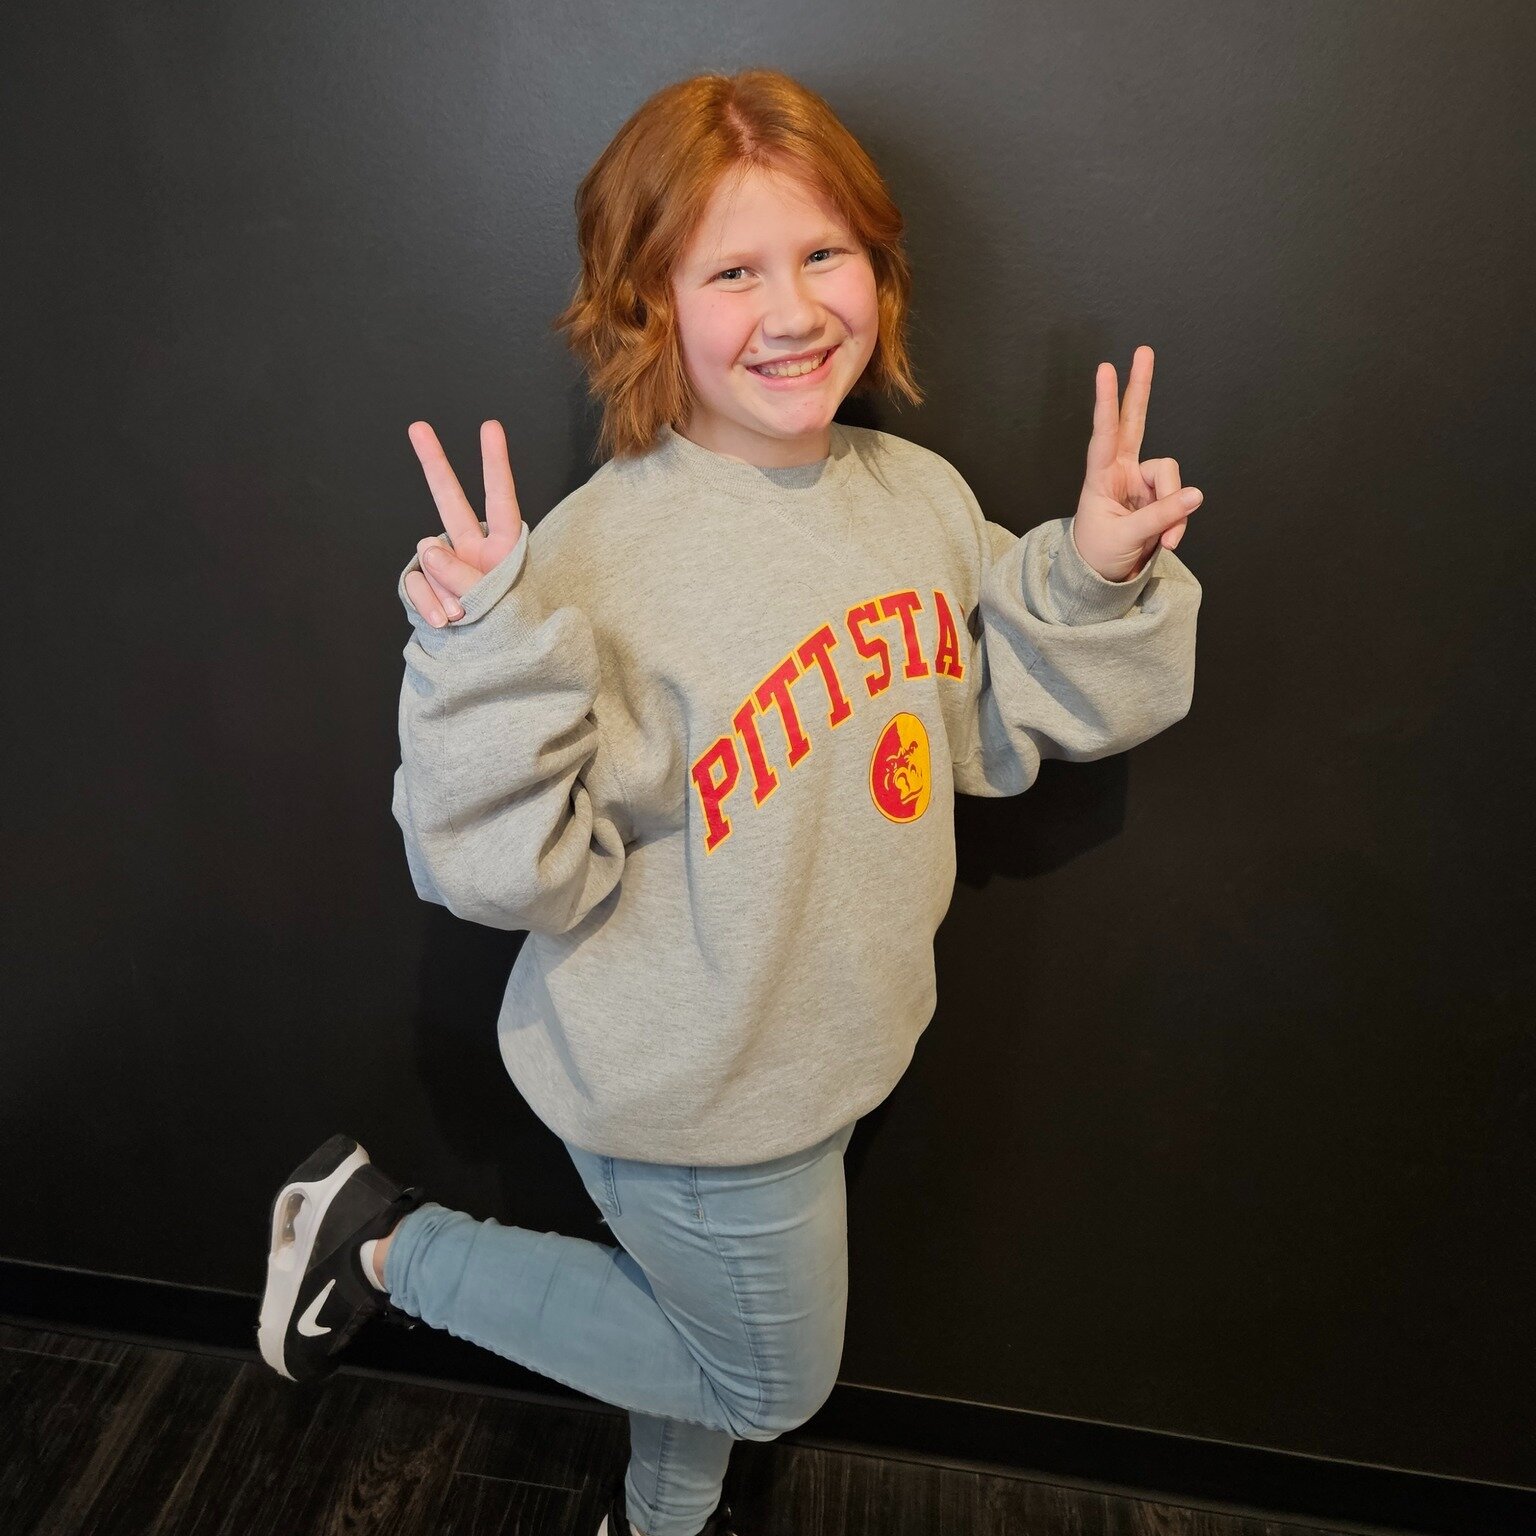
637	208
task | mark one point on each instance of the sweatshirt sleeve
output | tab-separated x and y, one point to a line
509	799
1071	666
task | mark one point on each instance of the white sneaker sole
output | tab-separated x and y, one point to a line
296	1216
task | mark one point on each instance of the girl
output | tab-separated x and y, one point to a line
702	744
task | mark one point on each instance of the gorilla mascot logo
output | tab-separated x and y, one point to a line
899	779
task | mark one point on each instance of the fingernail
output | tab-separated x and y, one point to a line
1192	499
455	612
435	619
435	555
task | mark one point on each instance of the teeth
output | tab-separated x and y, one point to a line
794	370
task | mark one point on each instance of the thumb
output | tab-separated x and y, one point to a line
445	568
1157	517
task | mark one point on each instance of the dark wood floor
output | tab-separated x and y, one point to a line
115	1439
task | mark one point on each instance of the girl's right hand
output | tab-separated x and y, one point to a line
435	590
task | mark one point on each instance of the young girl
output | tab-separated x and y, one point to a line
702	743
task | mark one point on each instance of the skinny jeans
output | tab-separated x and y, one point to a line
718	1317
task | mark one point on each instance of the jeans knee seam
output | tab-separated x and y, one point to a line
741	1311
661	1474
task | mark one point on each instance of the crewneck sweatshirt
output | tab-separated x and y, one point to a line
699	734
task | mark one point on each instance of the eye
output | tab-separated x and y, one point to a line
833	250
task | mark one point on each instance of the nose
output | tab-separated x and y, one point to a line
792	312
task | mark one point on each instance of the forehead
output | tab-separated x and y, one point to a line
760	206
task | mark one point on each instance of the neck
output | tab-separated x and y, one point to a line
761	451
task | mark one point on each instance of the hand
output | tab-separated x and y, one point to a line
1119	524
473	553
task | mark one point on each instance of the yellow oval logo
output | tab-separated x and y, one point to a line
899	780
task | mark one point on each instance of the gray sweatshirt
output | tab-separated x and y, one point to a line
699	734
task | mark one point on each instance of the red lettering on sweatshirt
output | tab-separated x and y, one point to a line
904	605
716	773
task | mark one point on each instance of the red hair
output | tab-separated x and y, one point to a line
638	205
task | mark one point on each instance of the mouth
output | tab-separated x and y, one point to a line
795	381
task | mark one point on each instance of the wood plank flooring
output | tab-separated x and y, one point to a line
117	1439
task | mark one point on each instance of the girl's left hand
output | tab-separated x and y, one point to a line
1128	506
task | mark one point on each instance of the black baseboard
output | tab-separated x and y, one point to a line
1232	1479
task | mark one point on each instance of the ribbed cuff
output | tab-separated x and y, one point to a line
1078	592
480	598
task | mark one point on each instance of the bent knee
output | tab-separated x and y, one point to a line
781	1411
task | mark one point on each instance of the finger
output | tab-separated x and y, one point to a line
1165	481
1105	442
459	519
502	514
423	599
1154	476
449	600
1165	477
1133	415
449	576
1157	517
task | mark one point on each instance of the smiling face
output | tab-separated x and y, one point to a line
771	272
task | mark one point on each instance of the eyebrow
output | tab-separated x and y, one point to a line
741	258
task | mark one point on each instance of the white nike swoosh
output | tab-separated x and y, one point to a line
310	1323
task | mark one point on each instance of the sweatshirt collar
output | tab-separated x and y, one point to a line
720	472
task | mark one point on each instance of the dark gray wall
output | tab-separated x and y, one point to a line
1224	1126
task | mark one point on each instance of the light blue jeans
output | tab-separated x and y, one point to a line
719	1319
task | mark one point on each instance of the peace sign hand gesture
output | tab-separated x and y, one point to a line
1119	524
447	574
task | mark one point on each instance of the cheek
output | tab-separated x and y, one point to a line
712	333
856	298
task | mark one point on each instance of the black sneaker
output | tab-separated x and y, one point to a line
317	1296
616	1520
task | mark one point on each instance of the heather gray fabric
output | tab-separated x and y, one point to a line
700	732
